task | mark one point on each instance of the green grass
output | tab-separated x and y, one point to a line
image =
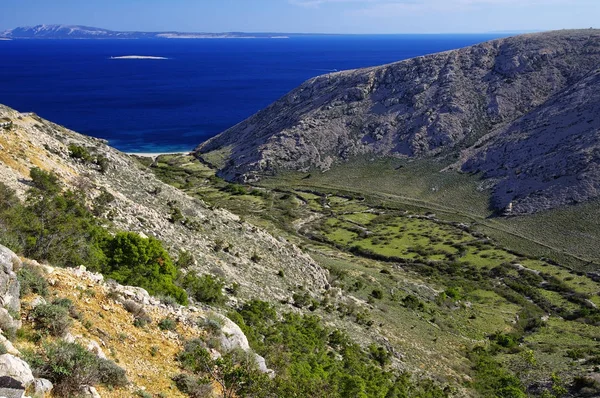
567	235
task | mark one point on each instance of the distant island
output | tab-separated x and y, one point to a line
138	57
86	32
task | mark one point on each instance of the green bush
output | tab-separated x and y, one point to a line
69	366
205	289
194	387
413	303
44	181
167	324
137	261
52	226
51	318
32	281
309	359
103	163
491	379
79	152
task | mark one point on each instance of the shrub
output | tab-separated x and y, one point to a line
3	349
103	163
69	366
110	373
504	340
194	387
32	281
413	303
167	324
79	152
205	289
185	260
377	294
379	354
142	262
52	318
44	181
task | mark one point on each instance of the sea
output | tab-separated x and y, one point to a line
203	87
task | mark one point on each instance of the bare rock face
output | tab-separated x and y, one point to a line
9	290
9	285
547	158
438	104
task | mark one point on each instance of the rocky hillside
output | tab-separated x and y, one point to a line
222	243
435	105
147	354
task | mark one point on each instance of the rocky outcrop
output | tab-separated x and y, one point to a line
16	368
435	105
9	290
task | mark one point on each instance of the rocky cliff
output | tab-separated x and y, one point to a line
429	106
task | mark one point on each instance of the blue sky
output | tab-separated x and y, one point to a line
326	16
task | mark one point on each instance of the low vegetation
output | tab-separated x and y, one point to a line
69	366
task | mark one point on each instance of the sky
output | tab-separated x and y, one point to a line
307	16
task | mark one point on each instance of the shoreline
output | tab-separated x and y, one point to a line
155	154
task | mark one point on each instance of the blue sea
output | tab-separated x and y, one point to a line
201	89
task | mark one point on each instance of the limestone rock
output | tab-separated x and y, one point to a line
9	285
42	387
10	348
232	336
16	368
90	392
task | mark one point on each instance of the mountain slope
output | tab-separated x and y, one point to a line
86	32
145	204
550	156
423	107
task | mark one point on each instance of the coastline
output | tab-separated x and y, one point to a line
154	154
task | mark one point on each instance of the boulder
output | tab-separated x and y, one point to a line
42	387
232	336
89	392
16	368
10	349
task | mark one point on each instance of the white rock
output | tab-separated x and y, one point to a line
10	348
37	301
90	392
16	368
42	387
93	347
232	336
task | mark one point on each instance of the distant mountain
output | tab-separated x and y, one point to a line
523	111
86	32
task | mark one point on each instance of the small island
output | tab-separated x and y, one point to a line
138	57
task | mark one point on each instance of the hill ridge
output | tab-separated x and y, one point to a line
431	106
